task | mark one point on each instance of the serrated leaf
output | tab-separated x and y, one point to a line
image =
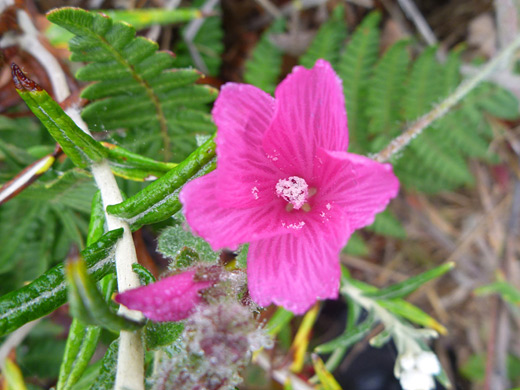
82	149
145	276
159	200
134	82
160	334
328	40
263	67
146	17
180	245
87	303
48	292
355	67
402	289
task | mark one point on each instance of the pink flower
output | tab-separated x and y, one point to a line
169	299
285	183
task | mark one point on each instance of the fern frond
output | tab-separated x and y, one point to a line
383	109
328	40
423	87
263	68
355	68
133	80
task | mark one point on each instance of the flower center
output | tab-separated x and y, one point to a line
294	190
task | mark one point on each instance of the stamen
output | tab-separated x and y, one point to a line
312	192
306	207
289	207
294	190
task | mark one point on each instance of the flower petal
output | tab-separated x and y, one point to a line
295	270
358	185
243	113
229	227
170	299
310	113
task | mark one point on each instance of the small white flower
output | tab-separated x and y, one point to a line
428	363
416	380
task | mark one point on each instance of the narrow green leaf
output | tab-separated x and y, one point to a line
506	290
82	149
327	380
49	291
145	276
13	376
412	313
402	289
381	339
81	345
96	227
146	17
87	303
107	374
349	337
279	320
160	334
160	199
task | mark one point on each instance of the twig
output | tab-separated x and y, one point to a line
191	31
462	90
411	10
130	363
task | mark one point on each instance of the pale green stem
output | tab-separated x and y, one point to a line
462	90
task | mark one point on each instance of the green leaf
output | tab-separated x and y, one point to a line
160	334
146	17
96	227
48	292
328	40
263	68
13	375
348	338
388	82
145	276
356	246
87	303
400	290
180	245
355	68
279	320
82	149
135	86
81	345
507	291
134	166
107	374
412	313
387	224
327	380
159	200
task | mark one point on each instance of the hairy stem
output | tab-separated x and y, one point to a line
439	111
130	363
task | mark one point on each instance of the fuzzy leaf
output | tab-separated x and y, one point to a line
107	373
160	334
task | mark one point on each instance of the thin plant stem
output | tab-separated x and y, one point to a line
399	143
130	362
